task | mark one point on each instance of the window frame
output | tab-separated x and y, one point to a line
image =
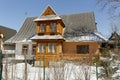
33	49
80	49
53	27
25	48
43	27
42	48
52	48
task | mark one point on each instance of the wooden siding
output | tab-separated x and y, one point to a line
48	11
85	58
69	52
71	47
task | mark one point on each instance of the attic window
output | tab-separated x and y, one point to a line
82	49
42	27
53	27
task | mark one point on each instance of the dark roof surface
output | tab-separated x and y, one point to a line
7	32
73	22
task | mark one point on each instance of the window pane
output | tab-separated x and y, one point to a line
24	49
33	49
52	47
49	47
52	27
42	47
83	49
42	27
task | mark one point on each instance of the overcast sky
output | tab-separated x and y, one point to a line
12	12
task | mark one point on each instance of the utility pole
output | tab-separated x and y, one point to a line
96	68
43	67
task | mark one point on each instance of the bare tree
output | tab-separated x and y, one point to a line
6	67
112	7
56	69
25	72
69	67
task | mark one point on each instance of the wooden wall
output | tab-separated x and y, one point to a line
71	47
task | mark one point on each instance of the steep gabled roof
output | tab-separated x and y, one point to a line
73	23
7	32
28	29
48	14
79	23
114	36
48	11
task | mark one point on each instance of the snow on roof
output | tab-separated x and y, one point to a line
47	37
48	17
100	35
89	37
71	21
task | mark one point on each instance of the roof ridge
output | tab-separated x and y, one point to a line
77	13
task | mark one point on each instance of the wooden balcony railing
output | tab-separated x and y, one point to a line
67	56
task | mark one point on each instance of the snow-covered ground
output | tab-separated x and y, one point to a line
69	72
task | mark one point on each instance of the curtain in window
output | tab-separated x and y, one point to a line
42	27
51	48
42	47
52	27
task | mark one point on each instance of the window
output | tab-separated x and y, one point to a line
42	27
25	49
51	48
52	27
42	48
33	49
83	49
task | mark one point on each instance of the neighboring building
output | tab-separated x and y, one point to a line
22	41
114	40
5	34
49	35
1	42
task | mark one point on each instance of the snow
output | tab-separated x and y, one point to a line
47	17
47	37
117	74
71	72
100	35
90	37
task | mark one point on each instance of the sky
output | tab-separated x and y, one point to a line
13	12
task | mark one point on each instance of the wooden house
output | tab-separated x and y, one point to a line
5	34
51	35
114	40
52	40
1	42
